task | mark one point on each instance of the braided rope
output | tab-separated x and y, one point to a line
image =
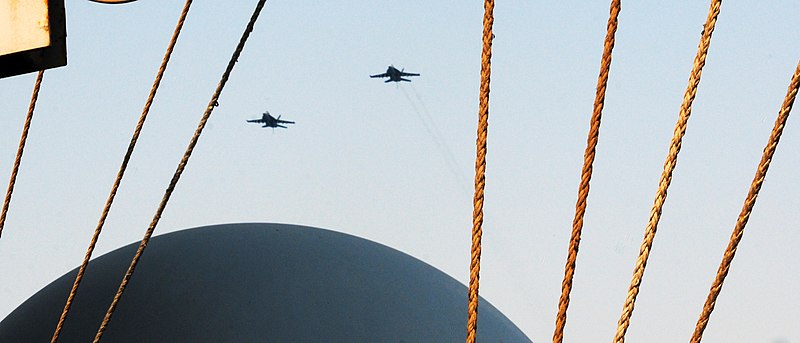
586	174
669	167
747	208
74	291
480	170
181	166
13	179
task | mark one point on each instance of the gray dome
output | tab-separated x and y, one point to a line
258	282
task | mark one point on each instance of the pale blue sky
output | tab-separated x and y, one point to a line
394	163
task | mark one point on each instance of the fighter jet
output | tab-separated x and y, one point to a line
394	75
270	121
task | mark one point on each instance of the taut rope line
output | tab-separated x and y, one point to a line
480	171
747	208
181	166
74	291
586	174
13	179
669	167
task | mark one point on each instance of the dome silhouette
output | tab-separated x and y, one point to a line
256	282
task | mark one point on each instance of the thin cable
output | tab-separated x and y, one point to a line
74	291
480	171
181	166
586	174
669	167
20	149
747	208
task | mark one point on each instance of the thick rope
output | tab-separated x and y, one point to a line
669	167
480	170
20	149
181	166
747	208
586	174
74	291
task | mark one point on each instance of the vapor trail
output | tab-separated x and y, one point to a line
427	121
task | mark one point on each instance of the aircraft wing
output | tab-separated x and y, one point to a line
408	74
285	122
255	120
380	75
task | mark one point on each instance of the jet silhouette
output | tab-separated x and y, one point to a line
394	75
270	121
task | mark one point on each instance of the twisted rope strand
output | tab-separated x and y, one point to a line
74	291
669	167
480	171
586	174
13	179
181	166
747	208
